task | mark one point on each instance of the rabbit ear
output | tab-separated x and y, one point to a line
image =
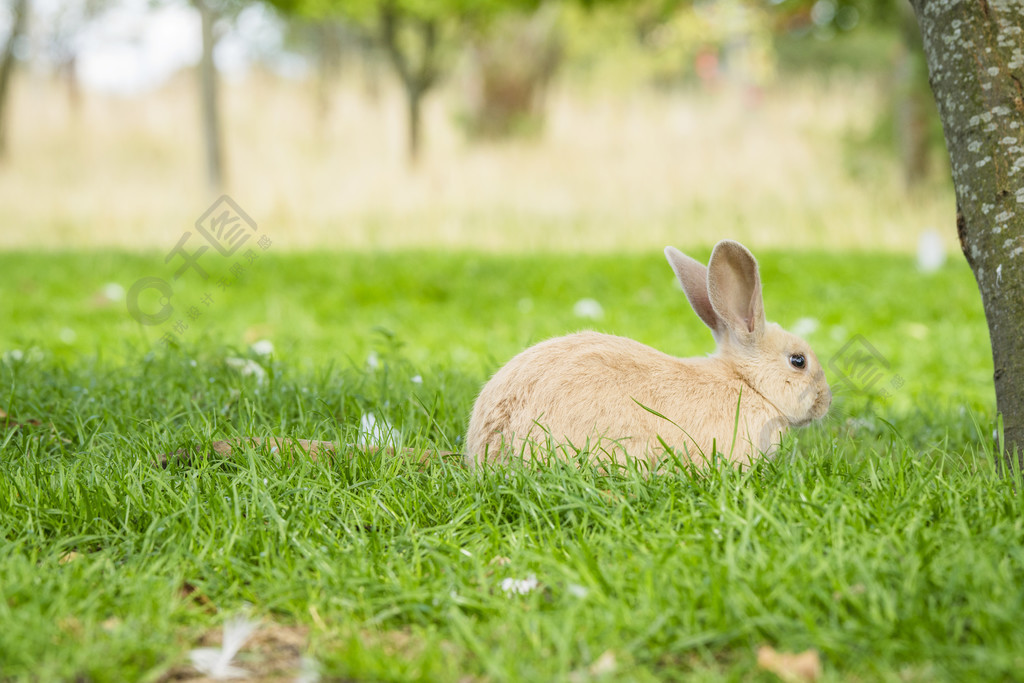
734	289
693	276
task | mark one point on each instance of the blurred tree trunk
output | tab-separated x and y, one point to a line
975	53
69	74
513	62
210	98
417	79
328	52
20	19
912	100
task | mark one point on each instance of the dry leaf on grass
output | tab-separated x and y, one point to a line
187	592
69	556
790	667
603	666
8	423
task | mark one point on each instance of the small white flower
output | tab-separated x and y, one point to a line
67	335
416	379
112	291
520	586
917	330
13	356
248	368
372	361
931	252
374	433
577	591
588	308
216	663
805	326
263	347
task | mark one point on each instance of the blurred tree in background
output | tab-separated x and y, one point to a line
61	41
419	38
915	132
212	13
19	10
509	51
511	62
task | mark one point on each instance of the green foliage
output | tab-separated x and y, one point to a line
368	10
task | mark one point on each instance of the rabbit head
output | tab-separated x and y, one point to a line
778	365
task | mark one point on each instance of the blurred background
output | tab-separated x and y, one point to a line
490	125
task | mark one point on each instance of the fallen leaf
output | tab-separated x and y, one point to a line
70	625
603	665
190	592
790	667
69	557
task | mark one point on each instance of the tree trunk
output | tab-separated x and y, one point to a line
328	51
69	74
20	10
414	98
418	78
975	53
209	95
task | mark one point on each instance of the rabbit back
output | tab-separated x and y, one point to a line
602	392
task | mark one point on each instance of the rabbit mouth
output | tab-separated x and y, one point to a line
803	422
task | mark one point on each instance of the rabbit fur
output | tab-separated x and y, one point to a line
617	398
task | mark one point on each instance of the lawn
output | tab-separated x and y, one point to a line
882	538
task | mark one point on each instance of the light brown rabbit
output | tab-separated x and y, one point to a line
618	398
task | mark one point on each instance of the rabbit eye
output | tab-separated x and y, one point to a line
798	361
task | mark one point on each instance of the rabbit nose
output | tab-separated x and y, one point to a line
823	402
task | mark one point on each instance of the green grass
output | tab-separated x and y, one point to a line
881	537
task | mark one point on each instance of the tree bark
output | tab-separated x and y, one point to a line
20	12
417	79
975	53
210	99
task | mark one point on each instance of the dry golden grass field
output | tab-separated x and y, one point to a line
625	170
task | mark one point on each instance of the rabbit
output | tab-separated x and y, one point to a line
619	399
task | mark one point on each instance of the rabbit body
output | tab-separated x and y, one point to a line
594	390
617	398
